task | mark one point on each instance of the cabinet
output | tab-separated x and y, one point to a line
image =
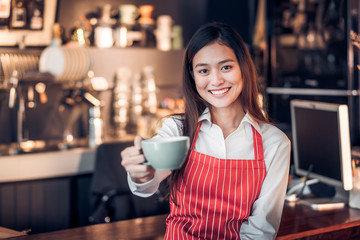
45	205
312	57
46	191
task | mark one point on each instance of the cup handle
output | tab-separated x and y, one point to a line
146	163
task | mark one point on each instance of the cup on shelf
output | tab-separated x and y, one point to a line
163	32
104	36
145	14
128	13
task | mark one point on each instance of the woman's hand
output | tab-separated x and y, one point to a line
132	159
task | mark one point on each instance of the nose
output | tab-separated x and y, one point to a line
216	78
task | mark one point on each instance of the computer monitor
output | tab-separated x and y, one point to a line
321	139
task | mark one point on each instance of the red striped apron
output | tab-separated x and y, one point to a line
216	195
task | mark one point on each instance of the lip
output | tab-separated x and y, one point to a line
220	92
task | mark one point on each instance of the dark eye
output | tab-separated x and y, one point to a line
227	67
203	71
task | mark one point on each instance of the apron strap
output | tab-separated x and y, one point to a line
258	148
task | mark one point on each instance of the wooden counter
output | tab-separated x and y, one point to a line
297	222
7	233
300	221
140	228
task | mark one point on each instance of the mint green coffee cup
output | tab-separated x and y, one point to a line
167	153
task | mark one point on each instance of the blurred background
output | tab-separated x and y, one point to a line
78	74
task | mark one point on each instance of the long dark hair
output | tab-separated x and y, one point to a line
194	103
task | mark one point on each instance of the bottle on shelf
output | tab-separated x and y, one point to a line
147	120
104	33
36	14
18	14
163	32
149	90
147	26
300	26
177	38
135	108
125	34
5	10
121	99
95	126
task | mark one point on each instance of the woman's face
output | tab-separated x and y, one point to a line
217	75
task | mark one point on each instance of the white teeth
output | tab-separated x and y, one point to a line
218	92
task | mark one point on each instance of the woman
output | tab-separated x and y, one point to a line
233	183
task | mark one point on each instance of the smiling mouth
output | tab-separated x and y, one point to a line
219	92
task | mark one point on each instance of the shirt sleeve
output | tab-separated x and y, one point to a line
170	127
265	217
149	188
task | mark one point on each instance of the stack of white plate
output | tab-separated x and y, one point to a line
65	63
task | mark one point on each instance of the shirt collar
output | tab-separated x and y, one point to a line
247	119
205	115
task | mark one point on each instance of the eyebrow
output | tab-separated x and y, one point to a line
219	63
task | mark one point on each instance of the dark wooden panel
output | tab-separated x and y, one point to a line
7	207
82	201
45	205
37	205
22	205
57	204
37	223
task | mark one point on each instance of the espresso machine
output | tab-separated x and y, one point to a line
50	102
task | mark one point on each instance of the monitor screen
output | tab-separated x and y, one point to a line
321	139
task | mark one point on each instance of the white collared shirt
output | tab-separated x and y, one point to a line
264	220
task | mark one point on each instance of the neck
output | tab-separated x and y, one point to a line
227	119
